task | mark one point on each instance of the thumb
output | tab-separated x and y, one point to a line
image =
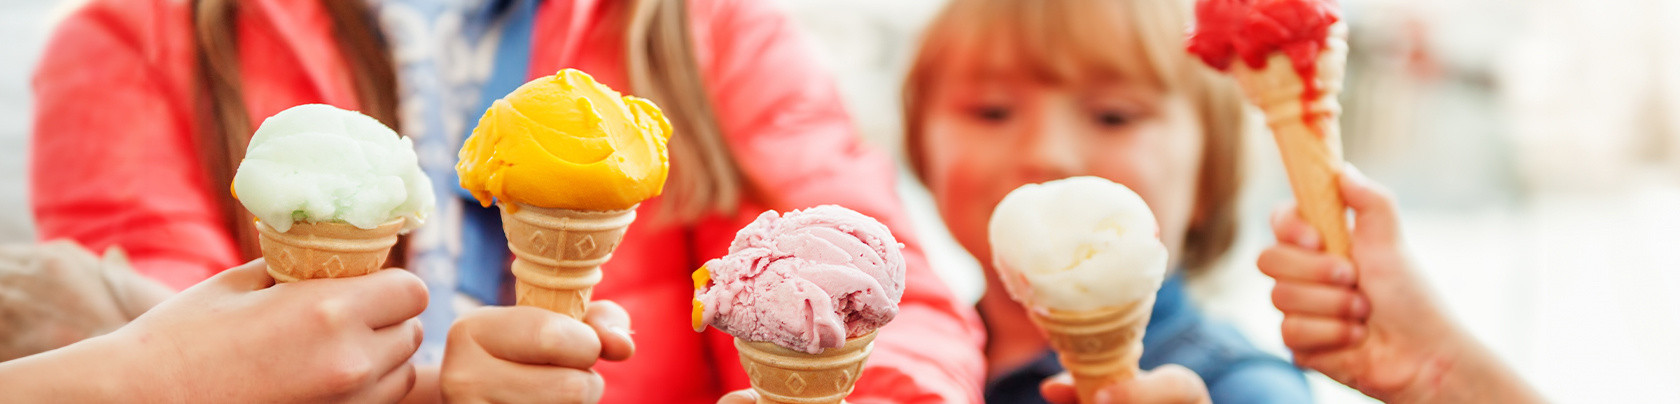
1166	384
612	323
244	278
1373	207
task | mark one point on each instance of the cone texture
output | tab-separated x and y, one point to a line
1098	346
1311	149
326	250
558	253
782	375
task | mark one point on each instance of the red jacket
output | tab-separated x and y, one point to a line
114	164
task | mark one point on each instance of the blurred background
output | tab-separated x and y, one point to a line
1534	146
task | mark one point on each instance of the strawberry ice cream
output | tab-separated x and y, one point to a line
1293	56
1251	30
806	281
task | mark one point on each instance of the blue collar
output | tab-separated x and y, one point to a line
1170	300
482	265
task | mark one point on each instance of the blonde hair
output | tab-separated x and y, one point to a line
1058	41
660	57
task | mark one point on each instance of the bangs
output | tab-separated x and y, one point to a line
1064	41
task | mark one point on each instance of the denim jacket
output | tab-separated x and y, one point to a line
1233	369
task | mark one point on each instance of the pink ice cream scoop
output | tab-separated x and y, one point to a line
807	280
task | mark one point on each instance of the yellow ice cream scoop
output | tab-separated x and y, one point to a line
567	142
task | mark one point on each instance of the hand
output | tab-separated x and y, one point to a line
57	293
1168	384
525	354
1377	329
747	396
238	337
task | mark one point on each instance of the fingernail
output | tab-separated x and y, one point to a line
1103	396
1341	274
1357	333
1359	308
621	331
1309	240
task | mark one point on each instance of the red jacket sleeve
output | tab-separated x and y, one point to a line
113	160
796	144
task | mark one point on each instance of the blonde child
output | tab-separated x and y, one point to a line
1005	93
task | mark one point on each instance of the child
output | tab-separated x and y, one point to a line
136	150
1005	93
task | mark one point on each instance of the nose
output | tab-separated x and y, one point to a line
1051	151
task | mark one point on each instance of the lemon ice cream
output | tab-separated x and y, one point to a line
317	163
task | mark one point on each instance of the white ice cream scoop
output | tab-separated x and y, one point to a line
1077	244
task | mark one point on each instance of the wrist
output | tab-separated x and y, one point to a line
131	368
87	371
1471	373
119	371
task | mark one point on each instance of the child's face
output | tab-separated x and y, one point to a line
985	136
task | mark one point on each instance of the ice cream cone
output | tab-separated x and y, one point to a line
782	375
326	249
1307	131
1098	346
558	253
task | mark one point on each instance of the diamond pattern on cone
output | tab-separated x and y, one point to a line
782	375
283	259
796	383
333	266
585	245
558	253
326	250
539	240
840	384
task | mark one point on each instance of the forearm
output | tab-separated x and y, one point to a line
1484	378
1470	374
90	371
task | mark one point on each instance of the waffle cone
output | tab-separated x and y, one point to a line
558	253
1097	347
326	250
1311	147
782	375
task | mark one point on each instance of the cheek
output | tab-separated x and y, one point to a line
1161	162
964	174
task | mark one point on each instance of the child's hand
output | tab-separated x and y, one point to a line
747	396
51	295
237	337
1376	328
1168	384
526	354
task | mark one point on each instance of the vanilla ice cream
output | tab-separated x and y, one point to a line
1076	244
317	163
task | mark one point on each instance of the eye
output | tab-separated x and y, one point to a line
991	113
1112	118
